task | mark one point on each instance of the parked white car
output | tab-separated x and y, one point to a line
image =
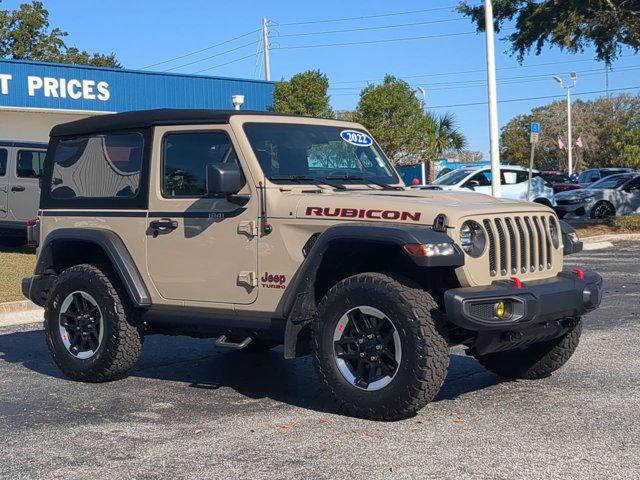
513	180
613	195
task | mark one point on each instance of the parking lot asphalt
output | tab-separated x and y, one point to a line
189	411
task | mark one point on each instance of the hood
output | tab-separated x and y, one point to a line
580	193
408	206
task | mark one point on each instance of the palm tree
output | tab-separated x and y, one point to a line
442	136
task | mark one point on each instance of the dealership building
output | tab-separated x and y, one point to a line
35	96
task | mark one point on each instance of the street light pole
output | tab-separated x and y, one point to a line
265	47
568	87
423	169
496	190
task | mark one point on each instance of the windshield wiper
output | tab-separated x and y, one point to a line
304	178
346	178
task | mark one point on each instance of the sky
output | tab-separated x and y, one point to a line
448	60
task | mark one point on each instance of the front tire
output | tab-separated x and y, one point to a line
378	345
534	361
91	328
602	210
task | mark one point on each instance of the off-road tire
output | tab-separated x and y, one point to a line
535	361
420	325
122	338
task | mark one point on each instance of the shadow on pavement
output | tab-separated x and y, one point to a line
254	375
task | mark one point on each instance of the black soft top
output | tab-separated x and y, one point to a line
147	118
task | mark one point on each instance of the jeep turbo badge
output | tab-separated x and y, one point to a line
356	138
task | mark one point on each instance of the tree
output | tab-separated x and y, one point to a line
393	114
441	136
26	34
305	94
608	25
606	126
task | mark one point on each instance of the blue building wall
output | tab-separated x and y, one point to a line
53	86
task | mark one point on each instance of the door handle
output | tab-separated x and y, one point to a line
164	225
17	188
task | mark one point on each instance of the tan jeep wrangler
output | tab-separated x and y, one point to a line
259	230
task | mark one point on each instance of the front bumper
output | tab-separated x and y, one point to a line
573	210
540	310
564	296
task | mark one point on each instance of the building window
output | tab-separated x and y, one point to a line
185	160
101	166
30	163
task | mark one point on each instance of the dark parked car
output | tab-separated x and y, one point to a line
594	174
559	181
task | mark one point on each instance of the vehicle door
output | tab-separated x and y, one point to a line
514	184
24	191
200	248
480	182
4	183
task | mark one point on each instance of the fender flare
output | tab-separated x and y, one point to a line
113	247
298	302
570	246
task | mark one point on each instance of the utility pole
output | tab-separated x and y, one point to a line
568	87
265	44
496	189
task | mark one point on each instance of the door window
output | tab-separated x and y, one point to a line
185	160
483	179
30	163
513	177
3	162
633	185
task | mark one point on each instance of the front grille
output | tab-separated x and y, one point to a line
518	245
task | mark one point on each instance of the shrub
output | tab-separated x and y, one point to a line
626	222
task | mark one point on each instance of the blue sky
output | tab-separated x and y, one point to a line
144	32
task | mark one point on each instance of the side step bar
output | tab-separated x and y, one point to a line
222	342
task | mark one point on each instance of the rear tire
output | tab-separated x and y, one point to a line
91	328
400	317
534	361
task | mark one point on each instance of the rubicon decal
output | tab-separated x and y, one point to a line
361	213
269	280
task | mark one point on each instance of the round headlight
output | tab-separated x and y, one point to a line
555	232
472	238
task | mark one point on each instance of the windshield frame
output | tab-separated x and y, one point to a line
394	178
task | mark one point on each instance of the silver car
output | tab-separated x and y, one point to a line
613	195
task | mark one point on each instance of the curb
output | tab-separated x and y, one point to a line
19	313
610	237
587	247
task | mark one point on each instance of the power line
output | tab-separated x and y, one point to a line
226	63
510	100
461	72
214	56
327	32
393	14
505	80
369	42
201	50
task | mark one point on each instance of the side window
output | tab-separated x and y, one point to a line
483	179
30	163
633	185
100	166
3	161
185	160
509	177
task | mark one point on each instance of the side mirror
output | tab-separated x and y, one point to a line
224	179
472	184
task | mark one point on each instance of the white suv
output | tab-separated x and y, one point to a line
513	180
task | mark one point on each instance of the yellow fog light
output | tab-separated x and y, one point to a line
501	309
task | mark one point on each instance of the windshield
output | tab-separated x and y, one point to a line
611	182
453	178
293	152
